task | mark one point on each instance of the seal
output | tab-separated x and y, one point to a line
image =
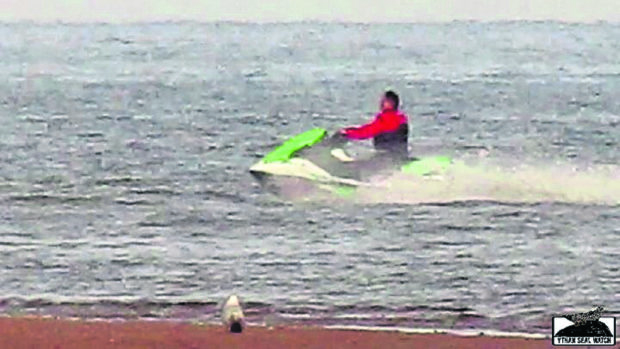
232	315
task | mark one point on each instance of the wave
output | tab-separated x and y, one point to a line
52	198
409	316
494	183
466	183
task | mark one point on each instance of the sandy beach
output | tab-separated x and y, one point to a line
30	332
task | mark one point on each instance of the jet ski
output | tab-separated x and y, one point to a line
314	157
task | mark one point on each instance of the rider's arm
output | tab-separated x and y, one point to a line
371	129
382	123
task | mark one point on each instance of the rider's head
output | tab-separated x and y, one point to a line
390	100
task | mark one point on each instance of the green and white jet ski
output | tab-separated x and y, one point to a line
305	156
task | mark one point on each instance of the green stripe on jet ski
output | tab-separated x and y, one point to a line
427	166
288	148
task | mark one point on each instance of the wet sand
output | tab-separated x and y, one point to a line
30	332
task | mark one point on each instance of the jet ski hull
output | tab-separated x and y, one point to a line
305	157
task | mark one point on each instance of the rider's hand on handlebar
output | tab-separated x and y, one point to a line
338	138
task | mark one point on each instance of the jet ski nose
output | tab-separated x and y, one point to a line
260	176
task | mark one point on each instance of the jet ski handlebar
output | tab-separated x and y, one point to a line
337	139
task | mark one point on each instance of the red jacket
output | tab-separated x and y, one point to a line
387	121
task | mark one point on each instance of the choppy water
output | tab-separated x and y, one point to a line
125	190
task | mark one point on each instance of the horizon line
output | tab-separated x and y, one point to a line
304	21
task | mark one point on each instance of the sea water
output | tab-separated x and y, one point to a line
125	190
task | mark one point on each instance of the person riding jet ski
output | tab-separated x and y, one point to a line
389	130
